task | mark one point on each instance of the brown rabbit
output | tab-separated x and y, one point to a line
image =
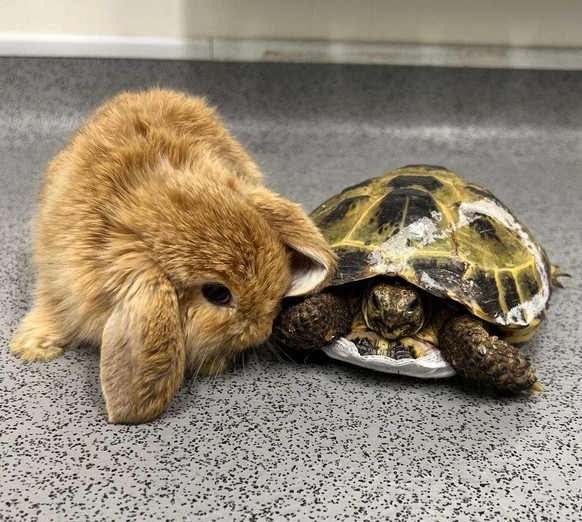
156	239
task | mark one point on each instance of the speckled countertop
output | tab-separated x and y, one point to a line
273	439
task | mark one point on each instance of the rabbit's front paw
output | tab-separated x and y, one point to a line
36	339
34	348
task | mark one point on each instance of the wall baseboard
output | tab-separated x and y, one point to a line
215	49
78	46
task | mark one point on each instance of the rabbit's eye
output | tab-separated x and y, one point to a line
217	294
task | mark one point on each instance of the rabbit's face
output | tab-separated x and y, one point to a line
233	310
230	269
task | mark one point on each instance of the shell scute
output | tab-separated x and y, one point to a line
427	182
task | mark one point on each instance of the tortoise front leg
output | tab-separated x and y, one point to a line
309	323
484	359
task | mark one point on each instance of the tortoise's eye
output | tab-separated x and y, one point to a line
414	304
217	294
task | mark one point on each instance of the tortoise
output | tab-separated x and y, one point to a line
435	277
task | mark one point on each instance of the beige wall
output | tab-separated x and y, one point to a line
538	23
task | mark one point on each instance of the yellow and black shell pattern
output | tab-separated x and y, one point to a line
453	239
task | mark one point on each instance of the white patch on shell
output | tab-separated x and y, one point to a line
391	257
431	284
526	312
405	243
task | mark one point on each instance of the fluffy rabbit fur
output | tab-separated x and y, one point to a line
152	200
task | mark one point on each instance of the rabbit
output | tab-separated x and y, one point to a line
156	239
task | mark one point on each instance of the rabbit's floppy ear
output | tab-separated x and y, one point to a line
142	351
313	260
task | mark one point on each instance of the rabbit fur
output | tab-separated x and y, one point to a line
151	200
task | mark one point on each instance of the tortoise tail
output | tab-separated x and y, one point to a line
555	274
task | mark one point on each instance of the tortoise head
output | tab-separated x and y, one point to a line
394	309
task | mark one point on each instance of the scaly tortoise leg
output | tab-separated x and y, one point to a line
309	323
484	359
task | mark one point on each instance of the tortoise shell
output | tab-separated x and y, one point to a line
453	239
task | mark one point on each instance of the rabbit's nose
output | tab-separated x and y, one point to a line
255	333
264	330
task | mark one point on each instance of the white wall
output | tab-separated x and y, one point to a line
523	23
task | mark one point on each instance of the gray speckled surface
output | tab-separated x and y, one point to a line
275	440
